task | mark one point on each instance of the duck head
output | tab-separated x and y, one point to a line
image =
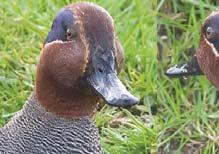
206	59
79	63
208	51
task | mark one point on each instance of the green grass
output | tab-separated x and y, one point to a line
23	27
174	115
189	117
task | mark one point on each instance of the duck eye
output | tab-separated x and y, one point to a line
71	34
210	33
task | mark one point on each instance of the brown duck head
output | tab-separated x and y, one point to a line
206	60
208	51
79	63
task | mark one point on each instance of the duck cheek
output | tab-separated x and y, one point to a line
65	62
208	61
213	73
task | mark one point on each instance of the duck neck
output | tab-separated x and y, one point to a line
34	109
73	101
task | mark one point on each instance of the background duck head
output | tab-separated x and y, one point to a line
208	51
79	63
206	59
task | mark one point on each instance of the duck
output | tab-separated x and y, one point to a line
78	66
206	59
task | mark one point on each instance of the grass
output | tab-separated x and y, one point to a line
189	117
23	27
174	115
